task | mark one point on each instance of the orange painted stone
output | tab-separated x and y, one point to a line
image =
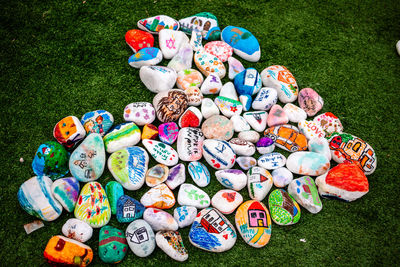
137	39
287	137
159	197
149	132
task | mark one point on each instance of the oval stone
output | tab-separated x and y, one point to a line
191	195
160	220
160	197
77	229
156	175
145	57
157	23
138	39
170	104
246	163
161	152
228	106
199	173
140	238
218	154
310	101
232	179
305	192
320	145
140	113
287	137
243	42
220	49
129	209
329	123
51	160
69	131
242	147
272	161
170	41
307	163
294	113
66	191
121	136
114	191
284	209
112	244
168	132
205	23
208	64
188	78
259	182
157	78
217	127
248	82
239	123
265	99
282	80
282	177
185	215
249	135
190	144
226	201
98	121
176	177
171	243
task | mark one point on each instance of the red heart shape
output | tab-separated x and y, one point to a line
189	119
217	165
229	196
225	236
213	160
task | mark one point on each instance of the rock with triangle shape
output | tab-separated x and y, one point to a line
277	116
172	244
229	91
256	119
168	132
161	152
228	106
208	108
259	182
211	85
129	209
159	197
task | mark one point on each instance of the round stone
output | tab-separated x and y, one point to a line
189	78
217	127
140	238
282	177
160	220
170	105
156	175
226	201
140	113
112	244
51	160
77	229
220	49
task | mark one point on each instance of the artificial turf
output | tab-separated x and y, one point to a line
61	58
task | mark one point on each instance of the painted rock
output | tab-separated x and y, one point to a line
254	223
191	195
160	220
305	192
226	201
248	82
170	42
265	99
77	229
147	56
239	123
272	161
320	145
170	105
66	191
249	135
398	47
183	59
140	238
172	244
235	67
121	136
246	163
196	40
212	232
246	102
282	80
194	96
199	173
176	177
51	159
150	131
218	154
114	191
220	49
35	197
310	101
185	215
156	175
69	131
192	117
160	197
232	179
294	113
140	113
129	209
209	64
284	209
228	106
157	23
208	108
259	182
161	152
157	78
188	78
211	85
346	147
244	44
168	132
265	145
242	147
277	116
256	119
307	163
88	160
282	177
311	129
287	137
138	39
346	181
98	121
329	123
217	127
205	22
229	91
93	206
128	166
190	144
112	244
62	251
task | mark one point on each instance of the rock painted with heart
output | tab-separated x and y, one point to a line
311	129
226	201
218	154
192	117
168	132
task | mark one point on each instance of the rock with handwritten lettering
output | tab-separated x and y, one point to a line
176	177
282	177
190	144
242	147
77	229
294	113
121	136
220	49
205	23
248	82
160	197
138	39
249	135
305	192
69	131
265	99
246	163
112	244
307	163
189	78
256	119
140	238
161	152
185	215
196	40
114	191
232	179
329	123
259	182
140	113
170	104
98	121
66	191
168	132
171	41
283	207
211	85
172	244
272	161
160	220
199	173
147	56
191	195
217	127
311	129
157	23
192	117
218	154
158	78
282	80
156	175
208	64
226	201
194	96
277	116
244	43
265	145
235	67
310	101
183	59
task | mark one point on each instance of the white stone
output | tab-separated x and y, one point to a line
282	177
232	179
208	108
140	238
211	85
160	220
307	163
311	129
257	120
305	192
170	42
246	162
190	144
226	201
250	135
161	152
272	161
190	195
259	182
77	229
171	243
218	154
196	40
294	113
242	147
265	99
199	173
235	67
157	78
320	145
280	78
185	215
239	123
183	59
140	113
398	47
229	91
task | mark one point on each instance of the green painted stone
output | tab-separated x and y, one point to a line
284	209
112	244
114	191
51	160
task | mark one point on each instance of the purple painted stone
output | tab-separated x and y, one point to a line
168	132
176	176
265	145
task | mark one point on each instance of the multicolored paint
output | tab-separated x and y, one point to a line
329	123
243	42
161	152
150	131
140	238
138	39
112	244
69	131
235	67
129	209
218	154
287	137
172	244
66	191
305	192
220	49
199	173
156	175
281	79
205	22
140	113
159	197
77	230
257	120
208	63
194	96
307	163
170	105
228	106
189	78
217	127
122	135
248	82
284	209
114	191
145	57
157	23
311	129
51	159
168	132
259	183
93	206
98	121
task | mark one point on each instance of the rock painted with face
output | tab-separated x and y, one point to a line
69	131
66	191
170	105
305	192
218	154
121	136
157	23
205	22
112	244
244	43
282	80
140	238
98	121
51	160
77	229
307	163
284	209
259	182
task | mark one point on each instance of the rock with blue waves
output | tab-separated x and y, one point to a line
51	160
243	42
98	121
66	191
185	215
218	154
147	56
246	101
129	209
122	135
248	82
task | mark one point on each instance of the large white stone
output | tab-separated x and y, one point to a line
170	42
226	201
265	99
157	78
232	179
229	91
239	123
249	135
294	113
211	85
140	238
190	195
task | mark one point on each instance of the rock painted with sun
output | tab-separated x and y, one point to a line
69	131
112	244
305	192
205	22
66	191
121	136
282	80
147	56
98	121
51	160
284	209
244	43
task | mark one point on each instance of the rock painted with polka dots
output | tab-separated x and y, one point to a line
220	49
140	113
112	244
217	127
98	121
305	192
191	195
208	63
282	80
228	106
160	197
161	152
243	42
226	200
329	123
121	136
157	78
168	132
138	39
259	182
77	229
69	131
307	163
185	215
189	78
172	244
160	220
284	209
140	238
66	191
211	85
218	154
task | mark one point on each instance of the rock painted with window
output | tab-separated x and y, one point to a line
257	120
232	179
77	229
170	105
172	244
307	163
185	215
140	113
190	195
138	39
287	137
161	152
160	197
305	192
114	191
259	182
69	131
121	136
226	200
171	41
176	176
190	144
160	220
157	23
147	56
168	132
244	43
199	173
218	154
157	78
209	64
284	209
66	191
112	244
129	209
140	238
329	123
51	160
217	127
205	22
98	121
272	161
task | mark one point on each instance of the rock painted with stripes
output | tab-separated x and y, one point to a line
284	209
114	191
185	215
121	136
157	23
259	182
243	42
199	173
228	106
218	154
161	152
232	179
77	229
226	200
248	82
69	131
172	244
305	192
112	244
140	238
51	160
66	191
160	197
160	220
307	163
282	80
98	121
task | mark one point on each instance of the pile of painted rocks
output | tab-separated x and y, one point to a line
198	133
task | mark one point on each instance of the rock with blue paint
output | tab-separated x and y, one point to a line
249	135
98	121
190	144
88	160
157	23
209	64
176	177
246	163
129	209
320	145
199	173
246	101
140	113
218	154
226	200
243	42
228	106
185	215
217	127
51	160
196	40
140	238
172	244
242	147
259	182
112	244
183	59
190	195
161	152
305	192
282	177
160	220
69	131
265	99
77	229
156	175
121	136
307	163
256	119
114	191
211	85
171	41
159	197
147	56
235	67
283	207
168	132
272	161
248	82
212	231
128	166
294	113
282	80
265	145
232	179
66	191
239	123
157	78
35	197
204	22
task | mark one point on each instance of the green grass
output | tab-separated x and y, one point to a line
61	58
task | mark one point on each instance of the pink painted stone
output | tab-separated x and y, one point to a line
277	116
168	132
220	49
310	101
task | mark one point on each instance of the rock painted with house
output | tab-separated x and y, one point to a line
307	163
157	78
183	59
156	175
220	49
265	145
51	160
171	41
311	129
235	67
256	119
243	42
218	154
208	64
66	191
129	209
305	192
265	99
217	127
112	244
161	152
226	200
185	215
147	56
272	161
170	104
199	173
259	182
160	197
246	163
140	238
69	131
310	101
160	220
248	82
168	132
190	195
157	23
211	85
228	107
77	229
98	121
205	22
242	147
188	78
114	191
329	123
176	177
294	113
282	177
282	80
192	117
138	39
287	137
284	209
121	136
150	131
140	113
172	244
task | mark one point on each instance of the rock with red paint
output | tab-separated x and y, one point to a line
156	175
112	244
176	177
249	135
172	244
69	131
190	144
189	78
232	179
157	78
259	182
218	154
160	220
235	67
310	101
228	106
307	163
305	192
294	113
208	64
140	238
185	215
220	49
211	85
242	147
329	123
272	161
194	96
138	39
77	229
265	145
229	91
311	129
157	23
183	59
140	113
171	41
226	201
192	117
208	108
168	132
320	145
256	119
190	195
239	123
346	181
282	177
277	116
217	127
282	80
161	152
150	131
246	163
265	99
160	197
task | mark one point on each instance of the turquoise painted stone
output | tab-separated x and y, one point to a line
112	244
88	159
199	173
244	44
129	209
205	22
114	191
51	160
66	191
98	121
